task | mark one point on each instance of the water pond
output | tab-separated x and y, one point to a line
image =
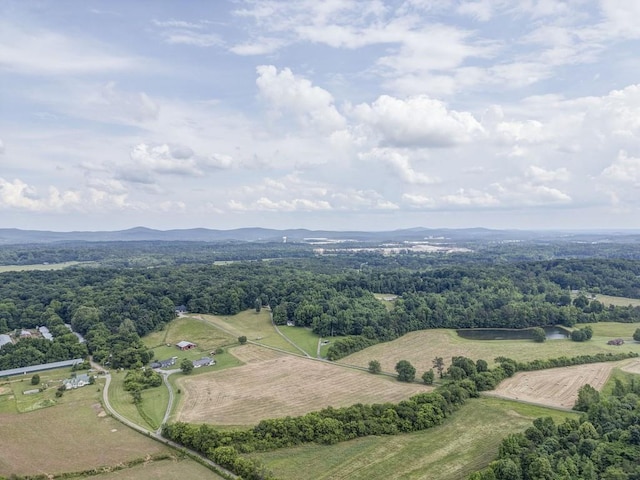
553	333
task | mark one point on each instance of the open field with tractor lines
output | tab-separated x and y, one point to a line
555	387
273	384
421	347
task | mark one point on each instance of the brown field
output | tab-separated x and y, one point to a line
421	347
170	469
74	436
272	385
555	387
632	367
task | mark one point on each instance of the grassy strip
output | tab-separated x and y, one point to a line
465	442
302	337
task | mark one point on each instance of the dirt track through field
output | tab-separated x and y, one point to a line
272	385
555	387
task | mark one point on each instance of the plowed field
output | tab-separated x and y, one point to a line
555	387
272	384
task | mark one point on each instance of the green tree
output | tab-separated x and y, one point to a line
374	366
186	366
258	305
242	339
587	395
406	371
482	366
35	380
636	335
538	334
438	364
428	377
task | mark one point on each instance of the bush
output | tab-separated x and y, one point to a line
374	366
242	340
35	380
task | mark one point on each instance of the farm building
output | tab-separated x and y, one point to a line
181	309
164	363
39	368
203	362
4	340
44	331
77	382
184	345
25	333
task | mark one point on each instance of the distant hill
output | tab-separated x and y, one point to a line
12	236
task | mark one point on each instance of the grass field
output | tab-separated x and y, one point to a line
41	266
387	299
618	301
170	469
466	442
421	347
13	399
303	337
73	435
273	384
153	406
257	327
191	329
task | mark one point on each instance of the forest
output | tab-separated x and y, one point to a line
114	306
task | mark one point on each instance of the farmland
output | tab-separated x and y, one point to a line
555	387
272	384
79	424
465	442
257	327
421	347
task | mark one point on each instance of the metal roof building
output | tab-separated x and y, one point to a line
39	368
4	339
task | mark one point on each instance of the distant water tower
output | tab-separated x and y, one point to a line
284	239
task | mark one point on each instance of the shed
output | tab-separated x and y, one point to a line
184	345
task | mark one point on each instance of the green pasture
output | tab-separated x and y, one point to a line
190	329
151	410
257	327
303	337
466	442
13	399
606	331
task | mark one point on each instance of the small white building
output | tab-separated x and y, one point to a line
77	382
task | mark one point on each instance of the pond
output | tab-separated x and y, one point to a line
553	333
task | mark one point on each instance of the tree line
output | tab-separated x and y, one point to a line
604	444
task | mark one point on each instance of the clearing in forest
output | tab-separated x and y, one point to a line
554	387
272	385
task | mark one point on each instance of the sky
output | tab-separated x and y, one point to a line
320	114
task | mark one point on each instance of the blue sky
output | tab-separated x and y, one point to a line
336	114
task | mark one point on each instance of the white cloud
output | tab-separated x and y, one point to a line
539	174
286	92
21	196
44	52
624	170
400	164
418	121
